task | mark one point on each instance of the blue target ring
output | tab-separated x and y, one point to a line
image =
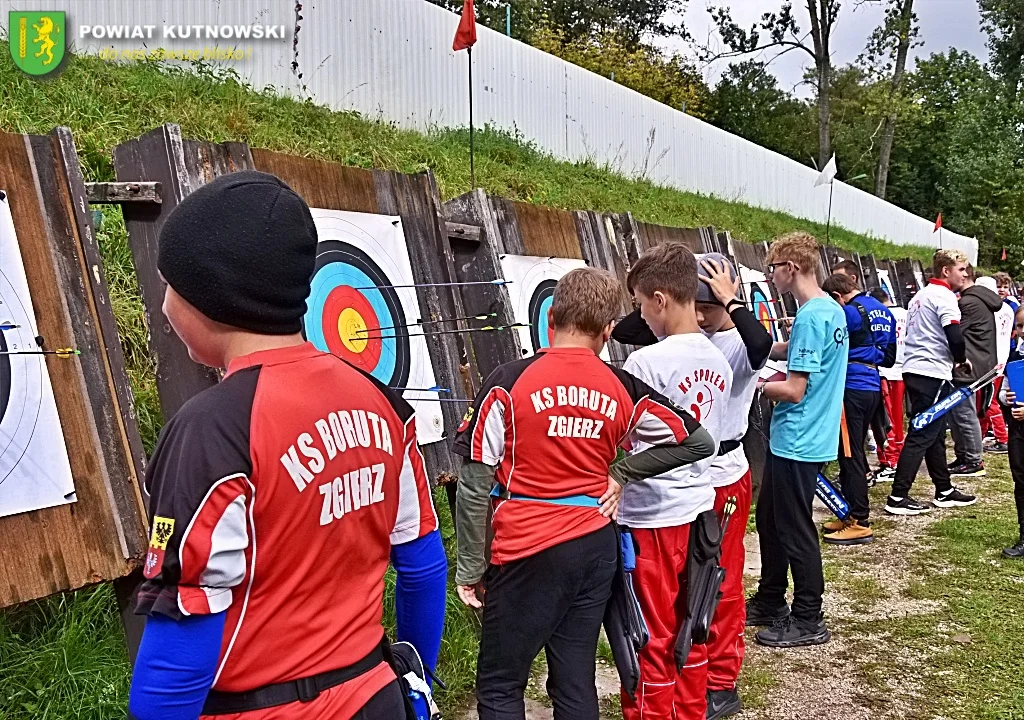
540	303
338	294
763	310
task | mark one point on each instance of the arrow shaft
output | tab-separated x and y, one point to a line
443	332
429	322
447	284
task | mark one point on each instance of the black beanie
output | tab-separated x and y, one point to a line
241	250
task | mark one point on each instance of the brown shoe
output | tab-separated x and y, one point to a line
833	525
852	533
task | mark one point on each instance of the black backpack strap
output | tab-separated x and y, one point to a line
863	336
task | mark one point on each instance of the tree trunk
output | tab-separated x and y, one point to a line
821	29
889	132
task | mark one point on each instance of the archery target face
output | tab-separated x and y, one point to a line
759	298
886	284
354	311
34	468
531	290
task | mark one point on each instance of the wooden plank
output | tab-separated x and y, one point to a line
547	231
322	184
116	192
507	240
870	269
463	231
600	250
159	156
69	546
475	262
651	235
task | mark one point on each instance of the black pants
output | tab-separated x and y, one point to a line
1016	454
387	704
928	443
859	408
553	600
789	538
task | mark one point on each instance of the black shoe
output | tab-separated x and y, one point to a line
904	506
965	470
998	448
723	703
957	464
758	615
792	632
1017	551
953	498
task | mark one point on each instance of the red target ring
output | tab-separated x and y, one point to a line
351	328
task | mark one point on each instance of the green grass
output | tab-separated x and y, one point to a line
63	657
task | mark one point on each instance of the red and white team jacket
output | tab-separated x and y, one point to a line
552	424
276	497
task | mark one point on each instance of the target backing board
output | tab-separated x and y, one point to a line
355	311
531	289
35	472
759	298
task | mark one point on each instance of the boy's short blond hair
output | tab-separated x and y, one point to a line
946	258
798	247
586	300
670	268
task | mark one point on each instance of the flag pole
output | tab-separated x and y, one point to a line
828	220
472	167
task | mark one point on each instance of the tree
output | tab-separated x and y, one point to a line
1003	20
632	21
747	101
785	35
887	51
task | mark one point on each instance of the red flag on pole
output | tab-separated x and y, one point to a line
938	223
1004	254
465	36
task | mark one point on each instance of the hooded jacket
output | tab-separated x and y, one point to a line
978	306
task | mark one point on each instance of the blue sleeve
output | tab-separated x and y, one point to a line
175	666
853	321
806	342
421	588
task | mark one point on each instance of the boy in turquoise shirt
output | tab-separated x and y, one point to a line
804	435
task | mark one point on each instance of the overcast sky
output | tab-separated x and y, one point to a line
944	24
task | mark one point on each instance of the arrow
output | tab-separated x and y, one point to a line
62	352
430	389
8	326
487	328
448	284
430	322
455	400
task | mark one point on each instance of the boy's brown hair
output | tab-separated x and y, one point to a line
586	300
839	283
946	258
670	268
1003	279
847	266
799	247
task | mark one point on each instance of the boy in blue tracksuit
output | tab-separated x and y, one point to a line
872	331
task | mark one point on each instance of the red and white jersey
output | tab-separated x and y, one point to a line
896	371
276	497
730	467
927	350
552	425
694	374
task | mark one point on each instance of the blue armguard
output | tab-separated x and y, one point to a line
420	594
175	667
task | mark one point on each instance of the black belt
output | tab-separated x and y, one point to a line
727	446
301	690
865	364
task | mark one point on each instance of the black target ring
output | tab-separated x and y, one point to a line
340	276
540	303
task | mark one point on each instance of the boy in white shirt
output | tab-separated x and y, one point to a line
687	368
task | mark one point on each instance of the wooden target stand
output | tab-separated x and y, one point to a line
102	536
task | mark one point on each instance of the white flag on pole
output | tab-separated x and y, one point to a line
828	173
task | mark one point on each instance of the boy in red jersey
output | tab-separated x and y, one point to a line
276	495
547	429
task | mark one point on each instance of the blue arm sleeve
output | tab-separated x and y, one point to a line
421	590
175	666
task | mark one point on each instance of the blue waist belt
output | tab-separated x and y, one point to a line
501	492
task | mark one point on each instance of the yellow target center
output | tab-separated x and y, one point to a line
352	330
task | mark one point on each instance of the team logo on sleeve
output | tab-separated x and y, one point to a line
163	528
466	419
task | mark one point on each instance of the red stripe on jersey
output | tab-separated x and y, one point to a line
672	421
486	407
416	514
213	549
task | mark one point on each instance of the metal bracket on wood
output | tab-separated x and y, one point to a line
464	231
122	192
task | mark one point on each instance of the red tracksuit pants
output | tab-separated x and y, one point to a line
725	644
660	583
992	417
892	396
